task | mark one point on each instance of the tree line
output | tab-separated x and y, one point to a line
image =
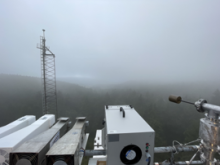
21	96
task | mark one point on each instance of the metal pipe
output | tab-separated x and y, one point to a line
209	156
188	148
187	102
180	162
211	107
95	152
157	150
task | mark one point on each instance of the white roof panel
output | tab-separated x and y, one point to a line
15	139
16	125
131	123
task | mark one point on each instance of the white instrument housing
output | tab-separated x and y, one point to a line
16	125
12	141
129	138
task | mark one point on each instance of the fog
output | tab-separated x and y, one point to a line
123	52
113	42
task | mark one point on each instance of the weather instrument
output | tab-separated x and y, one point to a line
16	125
209	131
14	140
34	150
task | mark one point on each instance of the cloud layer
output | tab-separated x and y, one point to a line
113	41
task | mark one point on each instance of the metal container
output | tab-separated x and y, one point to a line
209	132
16	125
33	151
11	142
129	138
66	150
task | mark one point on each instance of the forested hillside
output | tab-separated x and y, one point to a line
20	95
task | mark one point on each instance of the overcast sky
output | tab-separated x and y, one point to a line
113	41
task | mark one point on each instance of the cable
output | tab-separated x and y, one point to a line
192	142
149	160
82	150
175	147
176	152
199	149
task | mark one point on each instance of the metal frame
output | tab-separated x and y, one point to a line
48	77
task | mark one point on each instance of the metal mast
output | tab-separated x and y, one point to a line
48	74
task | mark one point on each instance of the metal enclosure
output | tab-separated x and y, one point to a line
66	150
14	140
33	151
209	132
129	139
16	125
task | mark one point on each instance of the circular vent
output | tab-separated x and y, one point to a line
131	154
24	159
60	162
23	162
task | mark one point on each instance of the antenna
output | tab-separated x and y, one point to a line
48	77
43	33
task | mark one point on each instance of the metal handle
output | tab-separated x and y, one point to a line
121	109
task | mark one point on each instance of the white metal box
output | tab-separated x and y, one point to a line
130	140
14	140
16	125
34	150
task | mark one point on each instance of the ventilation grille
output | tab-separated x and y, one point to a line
131	154
32	157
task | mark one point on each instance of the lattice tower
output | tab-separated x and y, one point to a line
48	74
